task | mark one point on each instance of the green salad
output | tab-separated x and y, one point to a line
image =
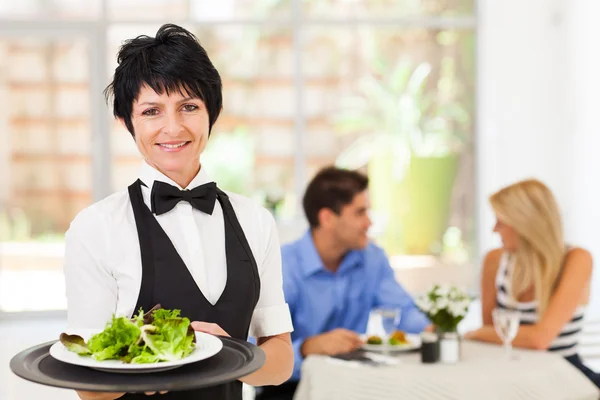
157	336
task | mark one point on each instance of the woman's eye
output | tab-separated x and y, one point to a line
150	112
190	107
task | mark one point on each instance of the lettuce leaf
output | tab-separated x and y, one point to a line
140	354
74	343
158	335
170	340
146	357
147	318
114	341
162	314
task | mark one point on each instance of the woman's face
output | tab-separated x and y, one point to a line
171	131
510	238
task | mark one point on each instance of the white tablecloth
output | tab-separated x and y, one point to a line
483	373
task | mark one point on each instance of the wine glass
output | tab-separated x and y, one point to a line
389	319
506	323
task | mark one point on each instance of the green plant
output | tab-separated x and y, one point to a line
445	306
397	112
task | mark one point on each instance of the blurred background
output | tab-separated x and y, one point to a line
441	102
385	86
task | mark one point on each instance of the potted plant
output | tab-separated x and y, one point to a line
410	141
445	306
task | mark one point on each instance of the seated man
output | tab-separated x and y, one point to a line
333	276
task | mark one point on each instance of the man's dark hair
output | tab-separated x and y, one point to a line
332	188
173	61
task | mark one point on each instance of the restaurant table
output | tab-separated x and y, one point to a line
483	372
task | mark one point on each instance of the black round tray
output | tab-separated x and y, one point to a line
237	358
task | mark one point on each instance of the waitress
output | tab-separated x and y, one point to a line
173	237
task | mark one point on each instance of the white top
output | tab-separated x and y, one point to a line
103	267
566	343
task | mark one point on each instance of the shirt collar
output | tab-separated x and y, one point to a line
149	174
312	262
311	259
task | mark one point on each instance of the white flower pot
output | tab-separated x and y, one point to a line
449	348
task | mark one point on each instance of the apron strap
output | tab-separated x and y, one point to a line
229	214
147	286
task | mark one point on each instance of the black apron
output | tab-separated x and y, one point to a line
167	281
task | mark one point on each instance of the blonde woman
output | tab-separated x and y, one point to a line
536	273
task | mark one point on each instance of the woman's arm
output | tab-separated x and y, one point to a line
279	364
491	263
88	280
90	287
278	350
89	284
575	278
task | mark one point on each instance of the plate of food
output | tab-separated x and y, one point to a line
156	341
398	341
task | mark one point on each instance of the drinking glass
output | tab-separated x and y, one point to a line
389	318
506	323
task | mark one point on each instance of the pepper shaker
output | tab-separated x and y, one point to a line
430	348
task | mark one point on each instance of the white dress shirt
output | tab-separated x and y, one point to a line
103	267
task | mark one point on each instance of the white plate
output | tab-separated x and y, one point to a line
414	343
206	346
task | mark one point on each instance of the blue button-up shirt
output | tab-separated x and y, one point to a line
321	301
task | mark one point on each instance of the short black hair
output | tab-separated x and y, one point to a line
173	61
332	188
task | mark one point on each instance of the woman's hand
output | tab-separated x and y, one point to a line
472	335
208	327
99	395
200	326
105	395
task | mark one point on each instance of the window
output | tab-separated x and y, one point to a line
46	167
384	86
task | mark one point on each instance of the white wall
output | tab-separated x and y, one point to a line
538	94
583	136
520	130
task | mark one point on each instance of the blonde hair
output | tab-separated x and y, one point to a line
530	208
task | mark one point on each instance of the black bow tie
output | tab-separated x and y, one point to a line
164	197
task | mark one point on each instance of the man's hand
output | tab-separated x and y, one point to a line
337	341
208	327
